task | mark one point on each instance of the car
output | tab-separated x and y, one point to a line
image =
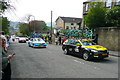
37	42
17	37
23	36
22	39
85	48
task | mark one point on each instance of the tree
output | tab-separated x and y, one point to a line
24	28
96	16
38	26
4	5
113	17
5	24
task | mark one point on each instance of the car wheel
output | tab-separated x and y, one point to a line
65	51
33	46
86	56
29	45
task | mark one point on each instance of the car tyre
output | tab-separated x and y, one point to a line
29	45
65	51
86	56
33	46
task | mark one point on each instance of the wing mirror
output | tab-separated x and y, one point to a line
78	44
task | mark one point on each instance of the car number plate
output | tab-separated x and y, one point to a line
105	54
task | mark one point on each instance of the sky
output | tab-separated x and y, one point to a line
41	9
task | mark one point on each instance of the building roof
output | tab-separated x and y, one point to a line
88	1
70	19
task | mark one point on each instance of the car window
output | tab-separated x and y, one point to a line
88	43
35	40
76	42
72	42
31	39
66	42
39	39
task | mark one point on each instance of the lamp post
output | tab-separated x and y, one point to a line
34	23
51	26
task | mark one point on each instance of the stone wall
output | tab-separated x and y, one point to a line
109	37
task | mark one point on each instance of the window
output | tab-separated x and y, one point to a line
34	39
31	39
86	8
39	39
78	23
72	23
77	42
88	43
72	42
118	3
108	3
67	27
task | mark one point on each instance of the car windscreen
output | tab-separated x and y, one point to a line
38	39
88	43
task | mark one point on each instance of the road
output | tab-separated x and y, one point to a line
50	62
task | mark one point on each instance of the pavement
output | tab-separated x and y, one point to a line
114	53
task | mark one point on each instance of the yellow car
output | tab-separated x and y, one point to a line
85	48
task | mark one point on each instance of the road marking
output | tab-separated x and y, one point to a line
78	61
96	68
87	65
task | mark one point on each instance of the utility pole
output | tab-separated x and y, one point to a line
34	24
51	27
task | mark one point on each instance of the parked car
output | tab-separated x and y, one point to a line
22	39
36	42
85	48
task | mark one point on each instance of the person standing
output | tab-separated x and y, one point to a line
56	40
6	67
59	40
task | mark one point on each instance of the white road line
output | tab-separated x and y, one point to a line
97	68
87	65
78	61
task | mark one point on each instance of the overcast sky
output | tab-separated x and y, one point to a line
41	9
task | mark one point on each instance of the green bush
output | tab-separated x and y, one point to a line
113	17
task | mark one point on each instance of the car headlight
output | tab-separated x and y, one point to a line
94	51
77	47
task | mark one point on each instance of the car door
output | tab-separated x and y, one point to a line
77	47
71	46
66	45
31	41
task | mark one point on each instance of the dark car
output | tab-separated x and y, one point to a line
85	48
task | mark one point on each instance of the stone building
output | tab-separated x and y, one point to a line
107	3
68	22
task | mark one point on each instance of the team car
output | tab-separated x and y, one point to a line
22	39
37	42
85	48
